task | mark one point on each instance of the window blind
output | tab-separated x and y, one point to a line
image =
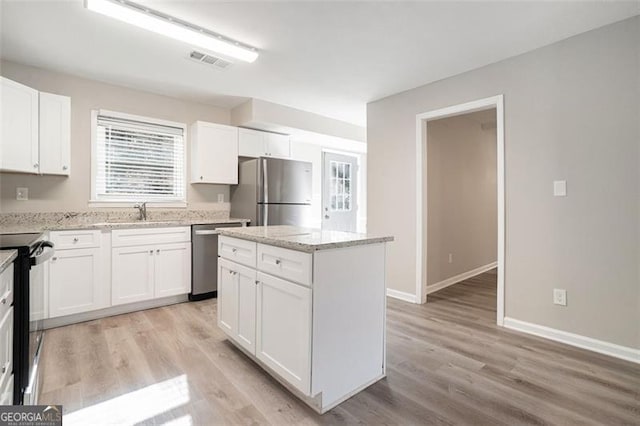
138	161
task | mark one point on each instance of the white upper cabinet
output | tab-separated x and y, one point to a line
19	115
36	130
254	143
55	134
214	153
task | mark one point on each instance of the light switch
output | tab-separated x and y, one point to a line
559	188
22	194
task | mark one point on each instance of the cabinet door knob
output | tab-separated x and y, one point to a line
75	240
3	301
150	251
35	166
277	261
4	368
64	167
53	259
200	177
158	251
257	282
234	250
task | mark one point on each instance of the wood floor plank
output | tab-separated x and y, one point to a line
447	363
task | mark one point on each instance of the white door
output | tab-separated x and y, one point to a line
339	192
75	282
55	134
227	297
132	274
246	282
283	329
19	127
172	269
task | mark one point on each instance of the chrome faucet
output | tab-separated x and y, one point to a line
142	207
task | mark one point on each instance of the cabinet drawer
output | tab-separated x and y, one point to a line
75	239
289	264
143	236
6	290
240	251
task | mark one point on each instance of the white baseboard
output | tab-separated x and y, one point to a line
600	346
460	277
401	295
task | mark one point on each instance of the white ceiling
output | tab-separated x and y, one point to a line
326	57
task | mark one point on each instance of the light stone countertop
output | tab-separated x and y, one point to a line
19	223
6	257
25	228
302	239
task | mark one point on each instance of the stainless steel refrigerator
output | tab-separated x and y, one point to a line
273	191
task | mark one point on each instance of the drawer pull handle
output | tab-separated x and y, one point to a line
234	250
232	272
75	240
53	259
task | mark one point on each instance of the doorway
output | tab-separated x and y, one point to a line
339	192
422	217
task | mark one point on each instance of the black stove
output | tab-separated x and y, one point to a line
28	287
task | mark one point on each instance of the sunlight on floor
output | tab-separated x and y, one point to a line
137	406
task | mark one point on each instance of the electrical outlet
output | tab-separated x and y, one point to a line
559	297
450	257
221	198
22	194
559	188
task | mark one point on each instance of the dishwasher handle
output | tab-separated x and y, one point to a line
207	232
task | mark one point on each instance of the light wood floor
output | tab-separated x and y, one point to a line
447	364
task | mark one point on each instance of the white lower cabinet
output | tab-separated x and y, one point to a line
93	270
6	349
76	282
153	270
317	319
132	274
172	269
283	329
237	307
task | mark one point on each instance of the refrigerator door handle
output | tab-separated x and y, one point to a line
266	214
265	181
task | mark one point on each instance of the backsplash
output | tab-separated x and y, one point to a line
89	217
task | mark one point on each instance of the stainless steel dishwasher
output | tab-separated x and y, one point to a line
204	260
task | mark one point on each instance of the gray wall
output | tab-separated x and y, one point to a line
571	112
461	194
57	193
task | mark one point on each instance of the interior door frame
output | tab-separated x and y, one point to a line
496	102
358	157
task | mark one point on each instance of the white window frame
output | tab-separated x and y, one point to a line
94	201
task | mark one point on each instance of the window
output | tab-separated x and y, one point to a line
137	159
340	190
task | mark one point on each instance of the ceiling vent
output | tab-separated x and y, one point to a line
207	59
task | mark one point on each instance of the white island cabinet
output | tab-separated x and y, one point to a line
308	306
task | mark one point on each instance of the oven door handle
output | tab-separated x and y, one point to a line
45	253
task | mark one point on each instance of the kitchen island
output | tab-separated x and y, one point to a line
307	305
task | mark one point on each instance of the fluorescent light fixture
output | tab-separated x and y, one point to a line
159	23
